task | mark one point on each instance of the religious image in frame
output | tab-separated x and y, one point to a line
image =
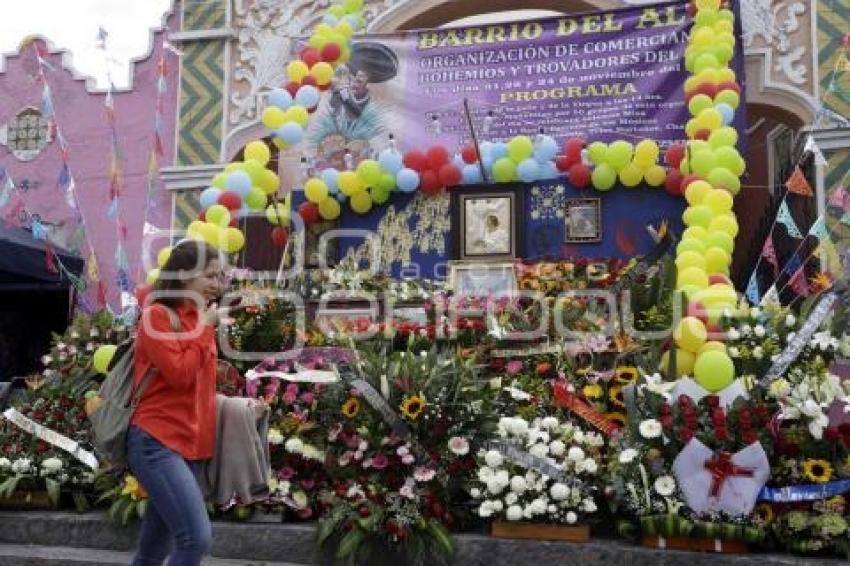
476	279
583	220
484	224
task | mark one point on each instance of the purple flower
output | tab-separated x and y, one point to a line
286	473
308	484
291	393
513	367
272	387
379	461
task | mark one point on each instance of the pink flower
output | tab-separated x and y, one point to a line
308	398
272	387
423	474
379	461
308	484
407	489
291	393
513	367
251	387
345	459
459	446
286	473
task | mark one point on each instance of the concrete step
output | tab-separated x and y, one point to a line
31	555
268	541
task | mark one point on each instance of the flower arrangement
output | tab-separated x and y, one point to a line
127	498
512	489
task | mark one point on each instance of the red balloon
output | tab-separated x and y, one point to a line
292	87
719	278
579	175
202	216
714	332
429	182
691	9
469	154
331	52
416	160
698	311
702	134
450	175
310	80
279	236
729	85
234	223
674	155
673	182
309	212
573	148
687	181
437	157
310	56
707	89
230	200
563	162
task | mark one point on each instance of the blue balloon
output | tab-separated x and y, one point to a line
281	98
458	162
486	148
545	149
471	174
487	161
340	197
210	196
331	20
243	212
239	181
500	149
548	170
408	180
291	133
329	176
391	160
308	96
528	170
353	20
726	112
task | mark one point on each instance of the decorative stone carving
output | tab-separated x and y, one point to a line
777	27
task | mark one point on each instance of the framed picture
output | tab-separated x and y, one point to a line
485	223
344	321
583	220
475	279
414	314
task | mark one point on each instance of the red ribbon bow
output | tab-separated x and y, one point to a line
721	467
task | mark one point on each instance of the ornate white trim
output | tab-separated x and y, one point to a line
188	177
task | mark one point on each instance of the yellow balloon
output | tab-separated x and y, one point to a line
269	182
690	334
692	276
297	114
102	356
718	200
696	192
695	232
329	208
258	150
717	260
710	119
690	259
280	144
316	190
361	202
684	362
233	240
344	28
349	183
296	70
273	117
152	277
163	255
655	175
631	175
209	232
277	215
714	371
724	223
322	72
725	74
712	346
194	230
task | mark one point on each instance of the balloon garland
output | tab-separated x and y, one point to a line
710	168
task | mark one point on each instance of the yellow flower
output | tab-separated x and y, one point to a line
351	407
133	488
765	514
592	391
626	374
818	471
615	395
617	418
413	406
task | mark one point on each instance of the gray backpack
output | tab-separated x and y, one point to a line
110	412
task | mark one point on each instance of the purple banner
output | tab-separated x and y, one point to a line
606	76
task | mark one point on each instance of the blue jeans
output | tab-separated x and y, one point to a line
176	519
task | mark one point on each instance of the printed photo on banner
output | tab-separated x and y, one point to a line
476	279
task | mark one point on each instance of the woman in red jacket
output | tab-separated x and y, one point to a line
173	428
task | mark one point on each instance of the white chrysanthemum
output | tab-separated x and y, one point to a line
575	454
559	492
497	505
52	465
274	437
514	513
557	448
589	506
733	334
790	320
511	498
294	445
484	510
665	486
549	423
539	450
485	473
494	486
758	352
538	506
734	352
518	484
519	427
493	458
759	331
628	455
650	428
5	463
475	493
21	465
571	518
590	466
459	446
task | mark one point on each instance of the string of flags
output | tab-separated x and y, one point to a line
157	146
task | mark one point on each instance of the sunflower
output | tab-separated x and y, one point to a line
615	395
413	406
818	471
764	513
616	418
626	374
592	391
351	407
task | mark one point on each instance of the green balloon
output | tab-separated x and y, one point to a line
725	136
504	170
714	370
256	199
619	154
699	215
727	157
369	172
705	17
255	170
386	182
379	195
705	61
597	152
603	177
520	148
102	356
703	162
220	181
720	177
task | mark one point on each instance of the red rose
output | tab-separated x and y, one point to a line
363	511
750	437
686	434
713	401
831	434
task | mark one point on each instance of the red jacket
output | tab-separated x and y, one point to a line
178	407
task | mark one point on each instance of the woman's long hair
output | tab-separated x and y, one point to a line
190	256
